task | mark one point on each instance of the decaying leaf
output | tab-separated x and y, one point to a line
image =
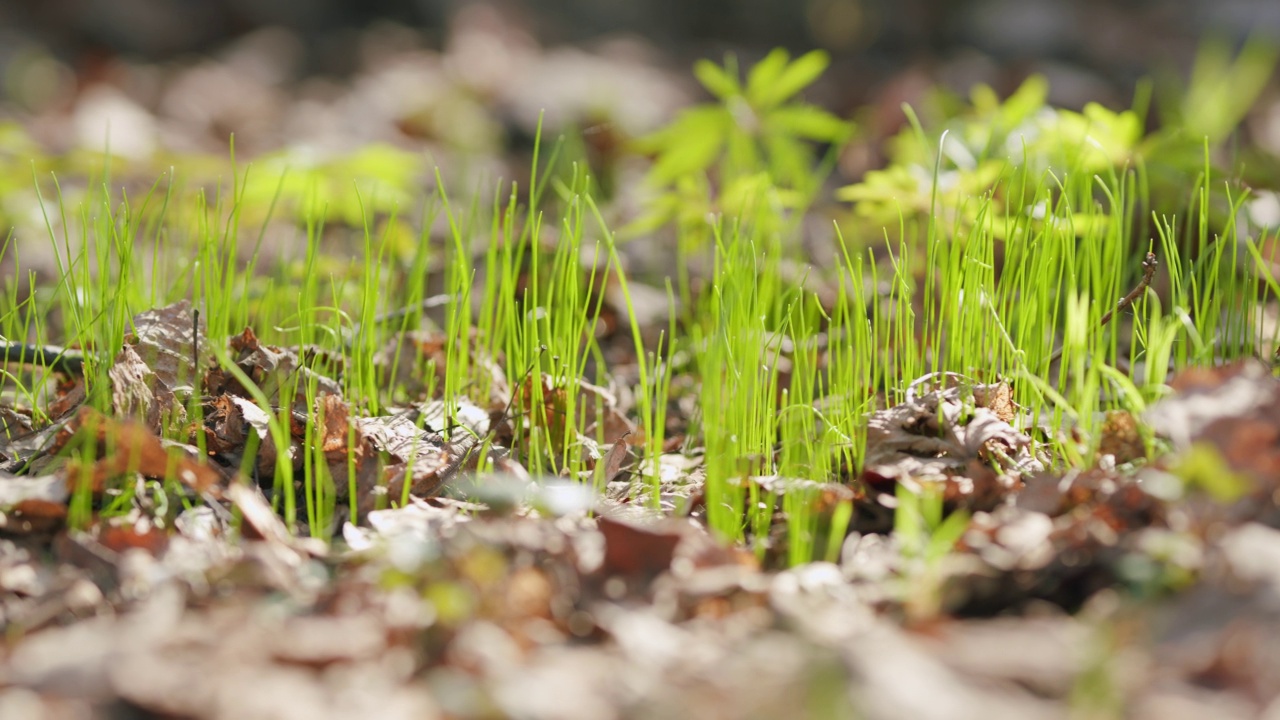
338	436
270	368
162	357
635	550
421	458
125	446
611	464
137	392
949	436
1234	409
69	396
34	515
169	343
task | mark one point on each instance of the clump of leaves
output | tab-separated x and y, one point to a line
1020	155
383	178
997	151
755	142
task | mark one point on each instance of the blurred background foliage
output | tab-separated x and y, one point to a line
333	93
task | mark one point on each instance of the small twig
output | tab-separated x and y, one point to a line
195	347
53	357
398	314
432	302
1149	265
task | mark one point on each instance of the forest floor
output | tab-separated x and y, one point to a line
199	523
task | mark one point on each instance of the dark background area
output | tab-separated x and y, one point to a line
187	74
1115	39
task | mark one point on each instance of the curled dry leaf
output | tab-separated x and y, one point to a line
230	424
631	549
949	435
611	464
161	357
423	459
137	392
338	436
224	426
125	446
69	395
169	343
270	368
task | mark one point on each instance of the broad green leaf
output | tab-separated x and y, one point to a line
661	211
794	78
743	154
697	137
762	77
689	158
1024	102
655	141
745	192
382	162
1119	132
716	80
685	127
892	182
984	99
809	122
790	160
1222	91
1204	468
946	535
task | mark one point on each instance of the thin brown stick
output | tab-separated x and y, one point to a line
58	359
1149	265
195	348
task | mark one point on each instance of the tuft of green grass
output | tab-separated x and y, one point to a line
995	245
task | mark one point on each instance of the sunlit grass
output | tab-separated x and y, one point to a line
1004	280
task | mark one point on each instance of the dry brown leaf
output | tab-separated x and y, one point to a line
946	436
1121	438
611	464
631	549
170	344
1236	409
33	515
138	392
125	446
270	368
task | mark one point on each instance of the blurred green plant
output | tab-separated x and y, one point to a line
1221	89
996	150
1010	152
383	177
755	143
926	535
